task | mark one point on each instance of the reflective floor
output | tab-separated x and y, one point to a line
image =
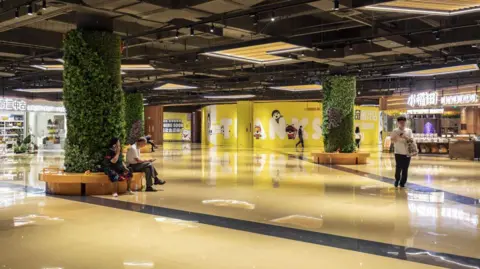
229	208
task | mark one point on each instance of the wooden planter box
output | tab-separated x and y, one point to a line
60	183
340	158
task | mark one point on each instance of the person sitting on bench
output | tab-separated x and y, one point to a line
146	166
115	168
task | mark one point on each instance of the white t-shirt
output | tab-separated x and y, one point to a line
132	154
358	135
400	145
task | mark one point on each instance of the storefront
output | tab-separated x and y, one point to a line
43	121
438	119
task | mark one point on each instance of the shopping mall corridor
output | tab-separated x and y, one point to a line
243	208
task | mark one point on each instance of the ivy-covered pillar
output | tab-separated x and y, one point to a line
134	117
338	113
93	96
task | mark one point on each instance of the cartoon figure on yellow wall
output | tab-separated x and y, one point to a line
291	131
257	132
277	125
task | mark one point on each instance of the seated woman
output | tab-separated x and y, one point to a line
150	141
115	168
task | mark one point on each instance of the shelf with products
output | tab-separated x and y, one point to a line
12	129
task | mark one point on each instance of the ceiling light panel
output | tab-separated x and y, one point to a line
431	7
126	67
172	86
40	90
258	54
239	96
300	88
439	71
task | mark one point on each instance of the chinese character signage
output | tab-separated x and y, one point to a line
459	99
172	126
423	99
12	104
358	114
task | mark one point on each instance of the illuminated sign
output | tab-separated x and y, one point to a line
423	99
459	99
40	108
12	104
425	111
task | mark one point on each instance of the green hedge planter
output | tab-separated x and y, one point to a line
338	114
134	117
93	97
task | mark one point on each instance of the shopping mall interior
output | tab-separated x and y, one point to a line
277	126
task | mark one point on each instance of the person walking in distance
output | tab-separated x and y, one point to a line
300	137
400	137
358	137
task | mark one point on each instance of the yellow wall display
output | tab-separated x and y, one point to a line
219	124
367	119
176	126
276	124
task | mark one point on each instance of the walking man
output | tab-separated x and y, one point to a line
300	137
146	166
399	137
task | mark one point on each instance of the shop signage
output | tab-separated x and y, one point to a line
425	111
10	104
40	108
459	99
431	99
423	99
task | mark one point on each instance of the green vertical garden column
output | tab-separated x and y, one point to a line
338	113
134	117
93	97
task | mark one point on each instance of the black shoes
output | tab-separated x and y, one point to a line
396	184
150	189
159	182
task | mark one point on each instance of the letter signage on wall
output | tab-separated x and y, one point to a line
431	99
423	99
11	104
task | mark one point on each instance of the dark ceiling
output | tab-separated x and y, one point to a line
353	40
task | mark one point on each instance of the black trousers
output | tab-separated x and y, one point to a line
152	144
357	141
401	169
300	142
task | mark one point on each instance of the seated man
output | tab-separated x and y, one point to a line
139	165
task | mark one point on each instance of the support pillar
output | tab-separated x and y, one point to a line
463	121
154	123
338	113
93	94
245	124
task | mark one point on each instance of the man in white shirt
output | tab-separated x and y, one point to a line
399	137
146	166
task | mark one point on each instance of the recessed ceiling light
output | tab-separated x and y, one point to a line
239	96
439	71
427	7
172	86
258	54
299	88
128	67
40	90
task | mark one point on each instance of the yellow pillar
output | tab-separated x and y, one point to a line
244	124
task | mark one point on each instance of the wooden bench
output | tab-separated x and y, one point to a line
340	158
61	183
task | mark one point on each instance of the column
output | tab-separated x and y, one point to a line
463	120
154	123
93	94
338	113
244	124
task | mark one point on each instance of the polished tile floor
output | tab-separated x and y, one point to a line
240	208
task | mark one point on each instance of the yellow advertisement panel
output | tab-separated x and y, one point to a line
276	124
177	126
220	125
367	120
